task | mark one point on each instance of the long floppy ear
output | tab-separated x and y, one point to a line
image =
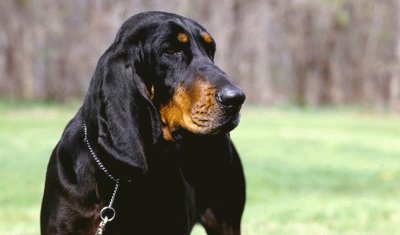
118	105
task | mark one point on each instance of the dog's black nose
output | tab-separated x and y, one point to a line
230	96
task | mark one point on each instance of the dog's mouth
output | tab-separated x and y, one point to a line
215	125
230	124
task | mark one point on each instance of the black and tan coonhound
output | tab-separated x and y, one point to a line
155	122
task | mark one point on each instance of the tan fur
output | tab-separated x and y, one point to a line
206	37
152	92
182	37
192	109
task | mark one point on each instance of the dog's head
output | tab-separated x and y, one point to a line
158	78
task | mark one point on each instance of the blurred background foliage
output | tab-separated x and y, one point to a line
302	52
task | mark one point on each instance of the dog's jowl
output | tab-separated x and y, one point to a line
149	151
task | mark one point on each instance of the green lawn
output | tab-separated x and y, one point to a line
308	171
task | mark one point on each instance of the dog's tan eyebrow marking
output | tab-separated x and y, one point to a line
182	37
206	37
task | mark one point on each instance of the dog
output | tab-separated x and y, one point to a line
149	150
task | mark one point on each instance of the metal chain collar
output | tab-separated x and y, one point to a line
108	209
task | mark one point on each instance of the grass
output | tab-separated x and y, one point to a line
308	171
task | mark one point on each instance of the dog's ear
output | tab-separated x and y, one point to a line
118	106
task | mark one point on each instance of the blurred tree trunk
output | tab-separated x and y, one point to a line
13	52
394	85
326	95
300	83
